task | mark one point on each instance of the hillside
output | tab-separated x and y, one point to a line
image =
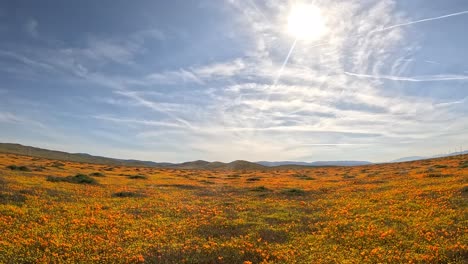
86	158
74	157
69	212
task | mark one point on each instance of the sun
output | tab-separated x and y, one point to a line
305	21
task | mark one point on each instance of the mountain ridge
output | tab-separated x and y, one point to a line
19	149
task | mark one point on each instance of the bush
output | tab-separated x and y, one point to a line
18	168
253	179
233	176
261	189
304	177
97	174
437	175
294	192
128	194
138	177
464	164
79	179
464	190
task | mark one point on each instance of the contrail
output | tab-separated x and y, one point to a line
422	20
284	63
278	76
430	78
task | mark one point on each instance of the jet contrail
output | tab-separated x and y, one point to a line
429	78
422	20
277	78
284	63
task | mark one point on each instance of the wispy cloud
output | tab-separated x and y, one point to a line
153	106
174	77
7	117
23	59
229	69
138	122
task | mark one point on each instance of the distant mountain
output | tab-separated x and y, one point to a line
413	158
451	154
314	164
198	164
235	165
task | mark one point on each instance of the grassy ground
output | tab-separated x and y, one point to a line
64	212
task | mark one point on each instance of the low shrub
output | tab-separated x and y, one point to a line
97	174
464	190
436	175
294	192
18	168
464	164
260	189
128	194
138	177
304	177
79	179
253	179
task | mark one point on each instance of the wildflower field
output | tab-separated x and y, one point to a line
64	212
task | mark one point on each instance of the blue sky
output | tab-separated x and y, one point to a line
186	80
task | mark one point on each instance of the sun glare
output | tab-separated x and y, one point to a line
306	22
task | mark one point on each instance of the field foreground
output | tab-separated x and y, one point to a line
65	212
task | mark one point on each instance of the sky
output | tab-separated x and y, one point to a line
180	80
